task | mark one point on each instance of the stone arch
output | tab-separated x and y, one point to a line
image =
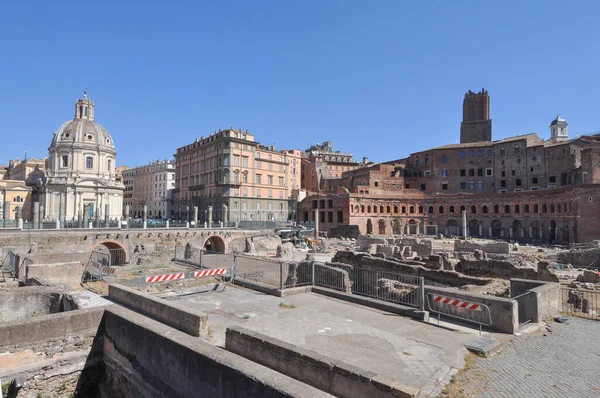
396	226
536	230
474	227
369	227
518	231
362	208
552	235
412	227
452	227
381	225
112	251
496	226
215	244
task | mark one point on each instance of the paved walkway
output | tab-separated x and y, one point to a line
561	362
411	352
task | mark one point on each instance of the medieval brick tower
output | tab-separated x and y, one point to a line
476	125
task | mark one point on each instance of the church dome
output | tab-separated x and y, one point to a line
83	129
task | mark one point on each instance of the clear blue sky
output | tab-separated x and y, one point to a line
379	78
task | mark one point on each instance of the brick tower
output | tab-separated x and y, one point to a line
476	125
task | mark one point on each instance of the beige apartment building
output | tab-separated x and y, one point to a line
231	176
152	186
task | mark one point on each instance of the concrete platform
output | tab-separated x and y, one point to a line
409	351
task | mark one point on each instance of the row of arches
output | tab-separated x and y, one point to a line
535	208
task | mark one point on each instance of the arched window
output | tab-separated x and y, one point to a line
536	208
85	112
389	209
411	210
89	162
558	208
403	209
496	209
362	208
396	209
451	210
420	209
544	208
517	209
462	208
430	209
473	209
441	210
368	209
507	208
551	207
484	209
381	209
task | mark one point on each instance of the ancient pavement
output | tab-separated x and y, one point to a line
563	361
414	353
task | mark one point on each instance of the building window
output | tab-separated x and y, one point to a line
462	154
471	172
270	180
479	172
258	194
489	153
444	173
426	160
502	152
488	172
463	185
534	180
444	158
65	161
441	210
502	183
89	162
471	186
479	153
451	210
109	164
258	178
484	209
480	186
526	208
471	153
552	179
281	181
270	193
518	182
463	172
417	162
445	186
496	209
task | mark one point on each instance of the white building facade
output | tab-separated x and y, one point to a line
81	184
151	186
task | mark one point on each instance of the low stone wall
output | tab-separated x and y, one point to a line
491	247
55	258
145	358
580	257
503	269
504	312
444	277
65	273
187	320
537	300
335	377
28	302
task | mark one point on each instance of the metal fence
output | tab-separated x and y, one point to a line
580	302
109	257
459	309
267	272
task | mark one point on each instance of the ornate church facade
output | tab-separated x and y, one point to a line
81	184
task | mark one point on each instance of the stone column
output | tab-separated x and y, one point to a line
145	216
530	231
62	208
417	228
36	215
464	223
210	216
196	216
41	220
107	215
490	230
225	215
480	229
511	232
316	223
127	214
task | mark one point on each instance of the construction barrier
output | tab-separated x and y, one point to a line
103	269
459	309
209	272
165	278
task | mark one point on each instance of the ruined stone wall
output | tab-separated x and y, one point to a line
344	231
432	277
580	257
29	302
488	247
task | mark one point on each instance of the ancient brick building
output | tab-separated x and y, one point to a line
321	166
522	187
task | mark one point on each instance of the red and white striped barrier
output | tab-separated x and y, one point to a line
210	272
165	278
457	303
106	270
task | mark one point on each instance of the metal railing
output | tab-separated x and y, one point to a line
109	257
580	302
464	310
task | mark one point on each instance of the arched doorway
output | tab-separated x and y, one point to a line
381	227
109	253
452	227
369	227
412	227
214	244
552	231
496	228
474	228
396	227
536	230
517	227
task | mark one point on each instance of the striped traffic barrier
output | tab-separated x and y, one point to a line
209	272
106	270
165	277
457	303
